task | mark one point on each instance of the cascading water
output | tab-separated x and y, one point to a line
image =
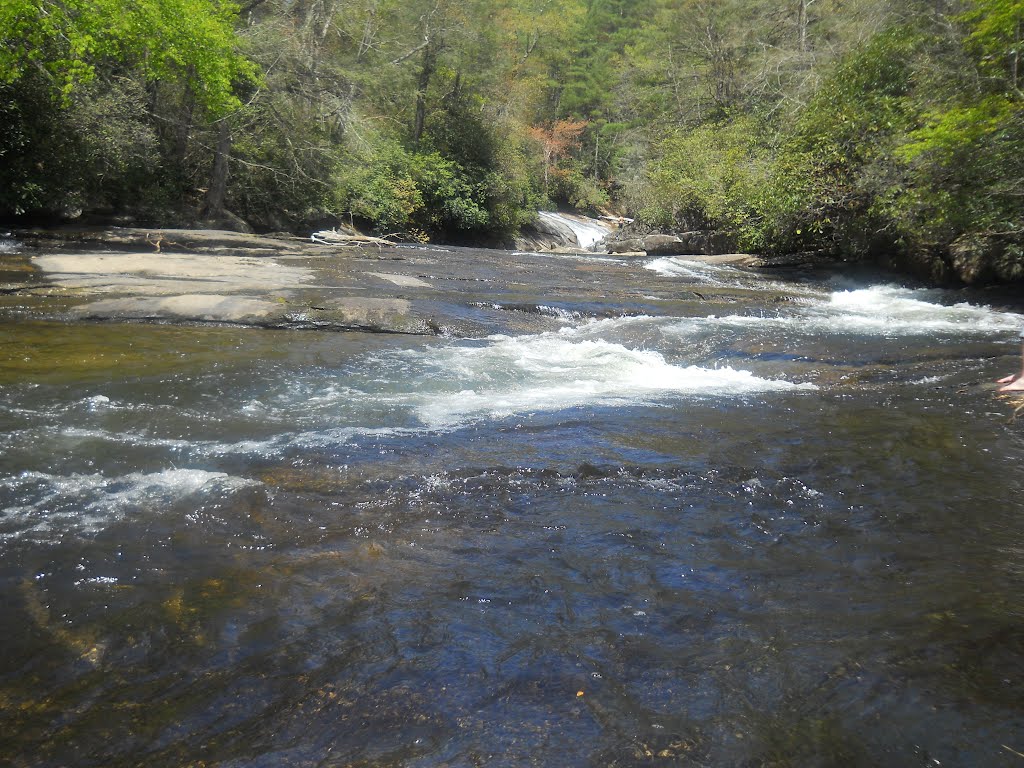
664	508
588	231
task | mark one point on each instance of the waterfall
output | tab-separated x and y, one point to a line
588	231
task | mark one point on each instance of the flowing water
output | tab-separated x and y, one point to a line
588	231
717	519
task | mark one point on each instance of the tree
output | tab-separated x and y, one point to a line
72	41
58	60
555	141
996	35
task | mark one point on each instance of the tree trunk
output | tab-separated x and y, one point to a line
1015	65
426	72
216	192
182	127
803	22
369	32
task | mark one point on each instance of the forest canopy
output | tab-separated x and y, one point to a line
848	127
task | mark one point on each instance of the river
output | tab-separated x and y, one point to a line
657	512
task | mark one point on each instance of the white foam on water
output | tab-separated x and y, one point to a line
196	447
404	392
559	313
46	505
908	310
425	248
880	310
128	437
885	311
588	257
726	276
713	274
549	372
612	327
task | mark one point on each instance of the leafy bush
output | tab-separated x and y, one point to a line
708	178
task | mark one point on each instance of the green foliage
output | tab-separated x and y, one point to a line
98	150
192	40
897	150
451	199
839	155
513	188
996	36
965	164
75	75
397	191
595	67
846	126
889	152
377	187
580	191
710	177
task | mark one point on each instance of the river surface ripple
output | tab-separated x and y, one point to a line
695	516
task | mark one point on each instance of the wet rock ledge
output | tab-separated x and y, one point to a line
279	281
208	276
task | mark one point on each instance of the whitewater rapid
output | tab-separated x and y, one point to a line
587	366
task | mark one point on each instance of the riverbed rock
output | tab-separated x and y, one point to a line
228	221
155	240
628	245
663	245
195	307
186	277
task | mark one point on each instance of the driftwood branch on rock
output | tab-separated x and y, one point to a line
348	240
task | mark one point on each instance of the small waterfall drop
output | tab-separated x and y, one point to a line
588	231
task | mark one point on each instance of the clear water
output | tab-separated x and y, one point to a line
780	527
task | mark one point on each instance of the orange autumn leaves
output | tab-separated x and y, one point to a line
557	141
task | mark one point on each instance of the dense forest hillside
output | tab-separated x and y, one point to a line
856	128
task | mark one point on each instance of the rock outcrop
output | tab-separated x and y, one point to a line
696	243
545	234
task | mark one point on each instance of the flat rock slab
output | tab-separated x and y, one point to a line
169	273
311	289
350	313
732	259
157	240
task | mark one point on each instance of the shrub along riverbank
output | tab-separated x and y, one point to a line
862	129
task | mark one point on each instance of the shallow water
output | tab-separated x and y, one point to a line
779	526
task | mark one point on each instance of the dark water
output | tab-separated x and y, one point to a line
780	527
